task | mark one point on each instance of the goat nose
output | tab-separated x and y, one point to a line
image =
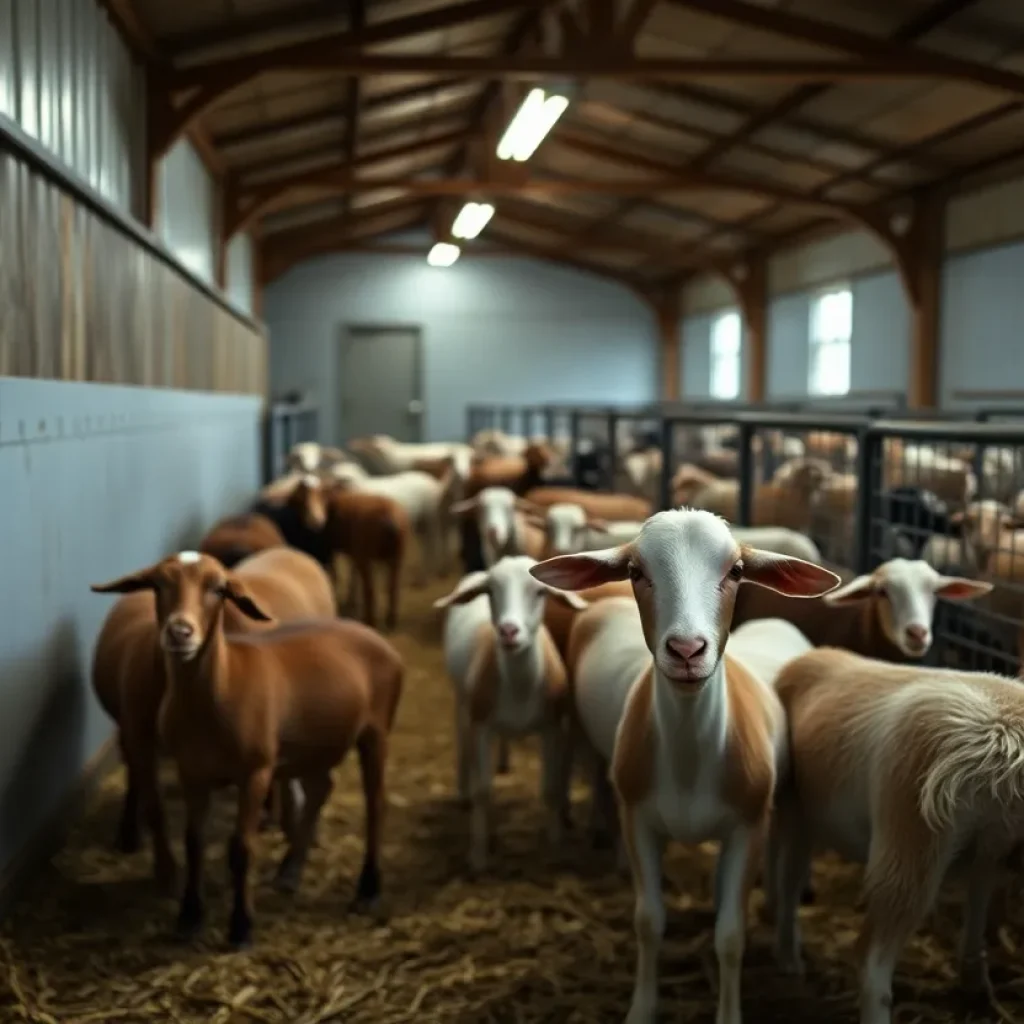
180	629
917	634
508	631
686	649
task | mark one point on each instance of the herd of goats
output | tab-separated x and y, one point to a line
793	714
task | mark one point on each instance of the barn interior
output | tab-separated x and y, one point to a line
299	292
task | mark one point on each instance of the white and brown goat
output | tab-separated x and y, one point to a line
697	735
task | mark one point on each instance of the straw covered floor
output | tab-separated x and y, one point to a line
540	938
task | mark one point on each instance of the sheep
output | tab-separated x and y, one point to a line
639	473
509	681
503	525
426	501
692	732
884	614
237	537
610	507
292	699
368	528
129	679
913	771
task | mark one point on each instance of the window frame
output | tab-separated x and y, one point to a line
717	355
817	344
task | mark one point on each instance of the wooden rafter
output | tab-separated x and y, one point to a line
909	32
207	83
249	203
353	99
268	130
218	81
240	32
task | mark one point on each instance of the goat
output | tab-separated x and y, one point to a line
509	681
237	537
367	528
692	733
129	679
914	771
885	614
608	506
238	707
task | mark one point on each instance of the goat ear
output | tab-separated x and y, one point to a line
144	579
959	588
856	590
469	588
567	597
787	575
238	594
581	572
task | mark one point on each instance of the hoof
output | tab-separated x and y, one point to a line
287	878
188	927
240	932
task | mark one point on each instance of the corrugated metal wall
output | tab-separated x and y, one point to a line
187	209
240	272
67	79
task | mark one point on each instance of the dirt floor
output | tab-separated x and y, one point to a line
540	938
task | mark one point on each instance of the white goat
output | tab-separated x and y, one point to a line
697	735
913	771
509	682
503	524
568	529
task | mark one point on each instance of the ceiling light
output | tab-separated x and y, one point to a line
443	254
533	120
472	219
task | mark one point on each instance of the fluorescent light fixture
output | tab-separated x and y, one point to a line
443	254
533	120
472	219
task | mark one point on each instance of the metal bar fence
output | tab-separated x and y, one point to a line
286	424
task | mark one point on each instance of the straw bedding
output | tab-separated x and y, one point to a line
540	938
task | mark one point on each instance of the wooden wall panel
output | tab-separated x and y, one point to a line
82	298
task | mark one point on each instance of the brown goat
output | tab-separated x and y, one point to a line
239	706
600	505
129	679
367	528
237	537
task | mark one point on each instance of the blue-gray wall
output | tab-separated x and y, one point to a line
879	346
982	312
695	364
494	330
98	480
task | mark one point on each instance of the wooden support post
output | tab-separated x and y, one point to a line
926	238
915	237
749	279
667	310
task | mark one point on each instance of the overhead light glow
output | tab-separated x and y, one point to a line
533	120
472	219
443	254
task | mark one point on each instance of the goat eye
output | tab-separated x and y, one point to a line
736	572
636	574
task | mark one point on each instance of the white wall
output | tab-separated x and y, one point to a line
495	331
68	81
239	284
187	209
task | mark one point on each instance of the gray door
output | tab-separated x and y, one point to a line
380	383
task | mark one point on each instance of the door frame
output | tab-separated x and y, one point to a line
348	330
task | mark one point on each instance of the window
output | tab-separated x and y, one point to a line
725	356
831	329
